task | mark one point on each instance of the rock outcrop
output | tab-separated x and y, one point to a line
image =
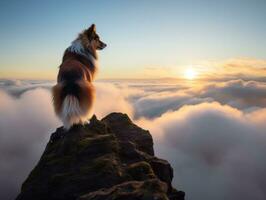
110	159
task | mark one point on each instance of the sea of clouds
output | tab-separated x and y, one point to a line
212	132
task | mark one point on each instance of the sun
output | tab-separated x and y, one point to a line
190	74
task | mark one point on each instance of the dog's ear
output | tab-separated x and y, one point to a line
92	29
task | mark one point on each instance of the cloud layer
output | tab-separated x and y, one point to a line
213	133
25	126
217	151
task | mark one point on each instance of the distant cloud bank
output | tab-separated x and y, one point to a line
212	132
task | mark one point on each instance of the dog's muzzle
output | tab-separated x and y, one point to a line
102	45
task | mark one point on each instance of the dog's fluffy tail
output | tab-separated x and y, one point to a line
73	101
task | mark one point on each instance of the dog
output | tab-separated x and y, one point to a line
74	94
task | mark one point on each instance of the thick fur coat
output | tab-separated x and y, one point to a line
73	95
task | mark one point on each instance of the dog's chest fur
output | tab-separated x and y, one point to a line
77	58
77	47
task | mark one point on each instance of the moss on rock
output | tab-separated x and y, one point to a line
140	171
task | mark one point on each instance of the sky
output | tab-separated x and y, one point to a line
146	39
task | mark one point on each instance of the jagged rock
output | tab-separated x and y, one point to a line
125	130
108	159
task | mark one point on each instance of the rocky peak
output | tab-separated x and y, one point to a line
110	158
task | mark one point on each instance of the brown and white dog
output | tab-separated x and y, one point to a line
73	95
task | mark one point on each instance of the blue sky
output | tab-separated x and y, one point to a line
140	34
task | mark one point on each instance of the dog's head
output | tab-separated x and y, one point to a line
91	39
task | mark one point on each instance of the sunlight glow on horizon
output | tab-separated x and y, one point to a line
190	74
